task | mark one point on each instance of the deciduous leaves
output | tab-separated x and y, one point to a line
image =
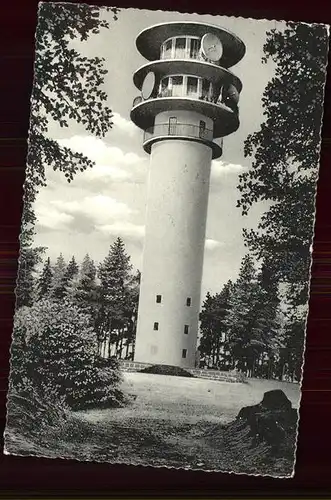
285	153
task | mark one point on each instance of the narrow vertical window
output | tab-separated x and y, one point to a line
188	301
186	329
184	352
202	128
158	299
156	325
172	125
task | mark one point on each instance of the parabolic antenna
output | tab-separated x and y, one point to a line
148	85
211	47
233	93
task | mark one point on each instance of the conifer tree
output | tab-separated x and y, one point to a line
82	288
115	295
29	259
58	285
71	270
245	340
213	326
44	284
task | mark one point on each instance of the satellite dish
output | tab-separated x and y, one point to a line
148	85
211	47
233	93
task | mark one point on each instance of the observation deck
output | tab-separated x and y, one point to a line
151	39
182	131
187	73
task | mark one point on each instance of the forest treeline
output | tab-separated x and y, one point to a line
245	326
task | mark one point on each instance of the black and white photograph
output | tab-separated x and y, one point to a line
166	239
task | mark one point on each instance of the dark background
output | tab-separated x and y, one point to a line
31	476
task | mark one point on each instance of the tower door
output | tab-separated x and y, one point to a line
172	125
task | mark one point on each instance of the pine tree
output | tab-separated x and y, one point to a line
82	288
71	270
213	326
30	257
244	334
115	295
44	284
130	336
58	284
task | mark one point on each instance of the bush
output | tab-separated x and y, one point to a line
36	410
55	348
175	371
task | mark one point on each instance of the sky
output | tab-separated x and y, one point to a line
110	200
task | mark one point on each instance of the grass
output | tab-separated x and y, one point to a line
167	424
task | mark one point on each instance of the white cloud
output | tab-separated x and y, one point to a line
99	209
220	169
112	164
125	229
50	218
212	244
125	125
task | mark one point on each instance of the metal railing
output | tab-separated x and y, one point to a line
186	54
178	129
169	93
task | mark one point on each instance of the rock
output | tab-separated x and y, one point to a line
273	421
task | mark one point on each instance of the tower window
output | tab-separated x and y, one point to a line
202	128
192	85
156	325
186	329
172	125
158	299
194	48
188	301
184	352
180	47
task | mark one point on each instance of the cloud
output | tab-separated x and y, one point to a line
50	218
212	244
83	215
98	208
125	125
123	229
112	164
221	170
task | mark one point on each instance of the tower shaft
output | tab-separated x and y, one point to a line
188	103
173	254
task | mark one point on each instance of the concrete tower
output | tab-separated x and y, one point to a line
188	103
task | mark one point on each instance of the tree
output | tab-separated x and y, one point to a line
130	337
251	322
67	86
30	257
285	154
115	295
44	284
82	288
55	348
59	283
71	271
213	325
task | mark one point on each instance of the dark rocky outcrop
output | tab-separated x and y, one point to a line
273	421
261	439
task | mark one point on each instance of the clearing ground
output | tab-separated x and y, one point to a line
173	421
189	400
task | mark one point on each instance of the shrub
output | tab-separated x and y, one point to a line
175	371
55	347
